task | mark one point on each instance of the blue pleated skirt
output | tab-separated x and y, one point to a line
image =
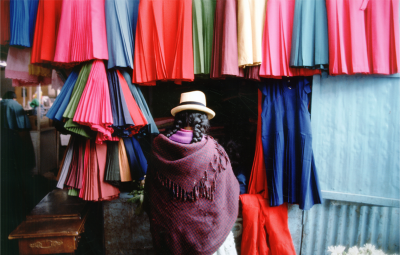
121	19
22	22
310	35
57	110
136	158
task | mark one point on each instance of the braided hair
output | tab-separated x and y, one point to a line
195	119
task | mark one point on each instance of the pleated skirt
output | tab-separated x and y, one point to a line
141	102
57	110
112	163
136	114
277	40
363	36
94	107
122	120
136	158
225	51
46	31
310	35
22	21
70	111
125	171
94	187
121	19
83	33
5	22
203	31
75	174
251	19
163	45
63	173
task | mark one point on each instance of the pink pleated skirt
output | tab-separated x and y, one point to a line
277	41
82	32
94	108
363	36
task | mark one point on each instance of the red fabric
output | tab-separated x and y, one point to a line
136	113
193	196
277	42
163	44
46	30
258	176
265	228
5	22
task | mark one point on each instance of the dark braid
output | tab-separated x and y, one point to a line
195	119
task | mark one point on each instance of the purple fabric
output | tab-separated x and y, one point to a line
182	136
193	196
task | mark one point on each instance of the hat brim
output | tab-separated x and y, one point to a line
210	113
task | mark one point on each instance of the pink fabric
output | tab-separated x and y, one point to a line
363	36
18	61
82	34
94	108
277	41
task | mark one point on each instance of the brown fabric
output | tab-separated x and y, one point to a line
125	171
193	196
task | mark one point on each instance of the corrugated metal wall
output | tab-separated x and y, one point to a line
350	224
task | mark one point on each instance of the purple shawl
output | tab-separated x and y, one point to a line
193	196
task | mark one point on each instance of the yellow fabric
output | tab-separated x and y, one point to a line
125	170
39	71
251	19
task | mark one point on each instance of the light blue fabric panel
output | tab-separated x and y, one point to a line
356	138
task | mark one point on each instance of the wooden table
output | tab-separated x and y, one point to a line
53	226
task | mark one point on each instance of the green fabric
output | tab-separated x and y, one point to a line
13	115
34	103
203	32
112	162
73	192
74	101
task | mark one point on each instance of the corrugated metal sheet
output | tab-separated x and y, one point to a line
356	134
350	224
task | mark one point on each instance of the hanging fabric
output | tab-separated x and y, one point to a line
121	118
94	107
69	112
22	21
277	40
363	36
18	68
287	143
75	173
112	174
62	175
83	35
121	19
141	102
203	31
310	35
136	158
163	49
125	171
5	22
250	21
46	31
224	60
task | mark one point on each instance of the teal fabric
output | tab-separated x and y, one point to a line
13	115
310	35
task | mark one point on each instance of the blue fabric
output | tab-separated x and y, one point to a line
136	158
121	19
57	110
121	117
22	21
137	94
310	35
287	143
13	115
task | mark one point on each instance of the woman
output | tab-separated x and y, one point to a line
192	191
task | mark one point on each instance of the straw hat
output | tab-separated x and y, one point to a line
194	100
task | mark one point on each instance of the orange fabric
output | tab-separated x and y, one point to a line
124	170
265	228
